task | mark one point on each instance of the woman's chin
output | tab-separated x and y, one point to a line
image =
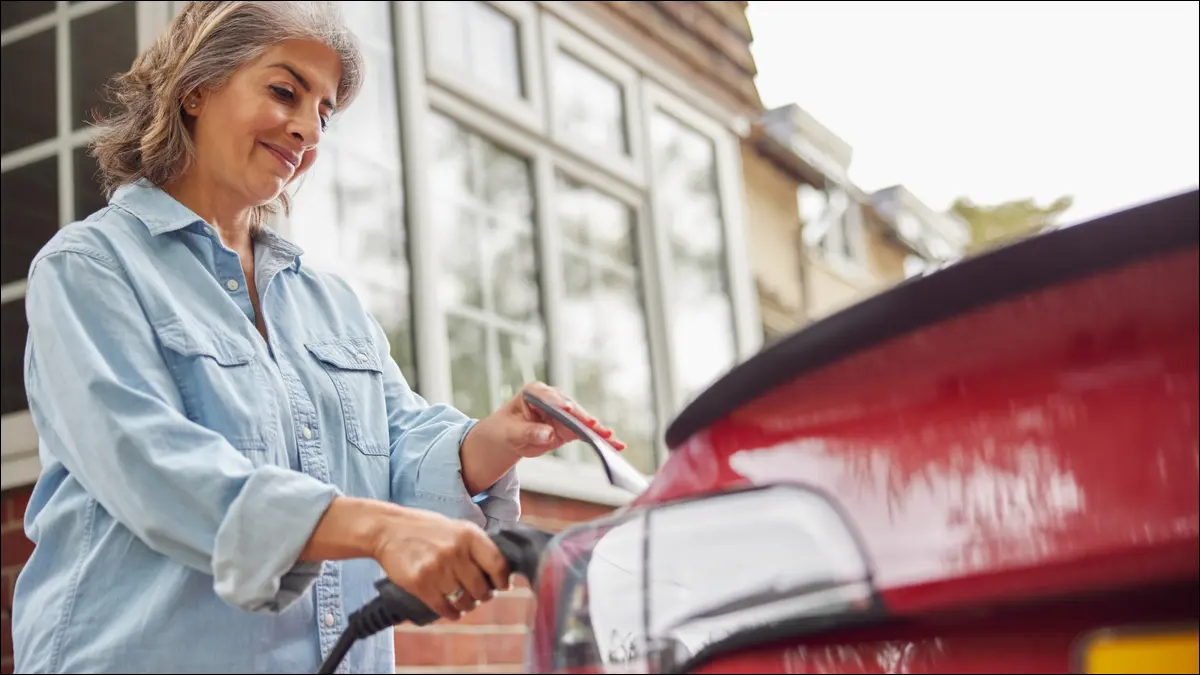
267	189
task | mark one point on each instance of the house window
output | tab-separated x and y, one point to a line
605	333
833	227
483	221
486	52
348	214
55	58
560	249
477	40
701	314
589	107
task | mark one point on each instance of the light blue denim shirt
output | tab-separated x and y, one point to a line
186	460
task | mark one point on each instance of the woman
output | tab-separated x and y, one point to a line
230	455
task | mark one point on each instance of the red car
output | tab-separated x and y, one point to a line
990	468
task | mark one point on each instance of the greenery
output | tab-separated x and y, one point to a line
1000	224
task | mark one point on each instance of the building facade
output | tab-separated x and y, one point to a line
819	242
525	190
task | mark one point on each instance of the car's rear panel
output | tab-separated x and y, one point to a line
1020	463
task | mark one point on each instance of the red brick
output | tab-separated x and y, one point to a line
436	647
7	579
15	503
6	646
503	610
503	648
15	548
6	665
556	508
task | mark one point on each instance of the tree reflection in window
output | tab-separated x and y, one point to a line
685	174
604	318
482	215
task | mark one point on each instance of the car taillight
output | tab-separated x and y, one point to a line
655	588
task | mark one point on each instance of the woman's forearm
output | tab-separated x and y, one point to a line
483	461
350	528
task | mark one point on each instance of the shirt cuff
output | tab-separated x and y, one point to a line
266	528
440	486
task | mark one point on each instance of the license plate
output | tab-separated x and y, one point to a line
1142	651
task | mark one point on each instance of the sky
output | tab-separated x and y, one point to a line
996	100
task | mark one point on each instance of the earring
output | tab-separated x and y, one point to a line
191	105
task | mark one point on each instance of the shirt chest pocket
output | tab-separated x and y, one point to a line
221	384
353	367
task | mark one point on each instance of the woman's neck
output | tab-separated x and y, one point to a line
205	199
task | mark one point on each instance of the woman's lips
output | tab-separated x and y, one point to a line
282	157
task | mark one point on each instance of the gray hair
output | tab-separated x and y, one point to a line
145	135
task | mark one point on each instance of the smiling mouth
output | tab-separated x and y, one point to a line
283	159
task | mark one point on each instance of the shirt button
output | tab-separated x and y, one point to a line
362	357
307	432
329	620
208	231
232	284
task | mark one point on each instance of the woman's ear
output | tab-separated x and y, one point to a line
193	103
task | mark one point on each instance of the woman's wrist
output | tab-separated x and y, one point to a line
484	458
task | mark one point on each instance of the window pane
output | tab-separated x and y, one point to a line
513	268
13	330
478	40
588	106
483	222
522	360
595	221
495	58
701	310
28	215
89	198
371	124
14	12
29	101
468	367
103	44
605	321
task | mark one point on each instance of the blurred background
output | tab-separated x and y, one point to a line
627	198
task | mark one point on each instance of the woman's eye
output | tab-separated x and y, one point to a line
283	92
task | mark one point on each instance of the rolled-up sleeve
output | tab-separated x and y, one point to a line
425	463
108	408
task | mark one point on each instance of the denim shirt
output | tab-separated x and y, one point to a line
186	461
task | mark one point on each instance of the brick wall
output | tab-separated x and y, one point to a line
489	640
14	551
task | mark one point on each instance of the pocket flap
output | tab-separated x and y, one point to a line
347	353
195	339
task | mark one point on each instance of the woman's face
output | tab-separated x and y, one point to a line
260	131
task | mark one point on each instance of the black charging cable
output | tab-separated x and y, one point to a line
521	545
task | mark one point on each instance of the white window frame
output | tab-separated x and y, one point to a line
529	111
19	464
559	37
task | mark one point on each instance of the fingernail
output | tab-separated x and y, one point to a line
543	435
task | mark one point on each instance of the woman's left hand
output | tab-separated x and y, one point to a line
529	432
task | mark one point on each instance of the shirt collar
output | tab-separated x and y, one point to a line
161	213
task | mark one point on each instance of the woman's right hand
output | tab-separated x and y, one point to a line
425	553
433	557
